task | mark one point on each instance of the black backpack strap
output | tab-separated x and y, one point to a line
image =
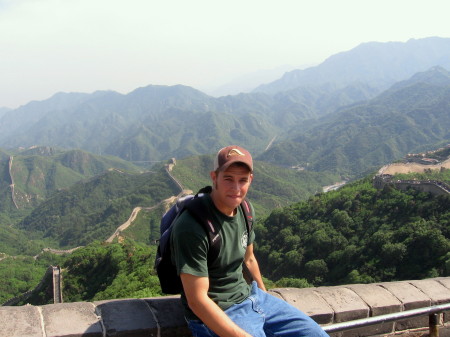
201	213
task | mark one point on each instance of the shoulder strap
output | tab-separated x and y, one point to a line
247	209
202	215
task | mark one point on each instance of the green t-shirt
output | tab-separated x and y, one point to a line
189	244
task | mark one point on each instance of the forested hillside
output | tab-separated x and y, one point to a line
358	234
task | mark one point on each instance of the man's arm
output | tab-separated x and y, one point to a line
253	267
196	291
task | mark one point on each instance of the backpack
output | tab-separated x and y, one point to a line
169	280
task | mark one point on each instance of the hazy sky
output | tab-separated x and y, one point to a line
48	46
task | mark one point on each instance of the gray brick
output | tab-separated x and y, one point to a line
308	301
130	318
411	298
71	320
346	304
20	321
169	314
380	302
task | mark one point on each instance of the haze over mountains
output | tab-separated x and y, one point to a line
346	114
377	64
246	83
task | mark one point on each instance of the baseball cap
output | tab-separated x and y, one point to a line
232	154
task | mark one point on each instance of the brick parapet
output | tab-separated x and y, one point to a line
163	316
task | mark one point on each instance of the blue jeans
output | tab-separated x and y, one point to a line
262	314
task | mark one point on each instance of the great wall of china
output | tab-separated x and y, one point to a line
385	177
23	297
163	316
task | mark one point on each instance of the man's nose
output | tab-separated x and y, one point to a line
235	186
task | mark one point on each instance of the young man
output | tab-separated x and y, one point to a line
217	299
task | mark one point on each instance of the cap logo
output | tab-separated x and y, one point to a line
235	152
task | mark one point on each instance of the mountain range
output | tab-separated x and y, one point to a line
412	115
376	63
358	109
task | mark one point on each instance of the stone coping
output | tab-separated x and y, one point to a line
163	316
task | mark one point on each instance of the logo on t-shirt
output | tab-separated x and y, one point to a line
244	240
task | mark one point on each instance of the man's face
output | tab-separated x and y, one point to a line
230	187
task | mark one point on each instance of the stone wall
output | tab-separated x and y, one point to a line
428	186
433	187
23	297
163	316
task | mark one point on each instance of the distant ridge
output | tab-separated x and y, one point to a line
3	111
378	64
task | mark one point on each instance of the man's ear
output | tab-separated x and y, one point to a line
213	176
